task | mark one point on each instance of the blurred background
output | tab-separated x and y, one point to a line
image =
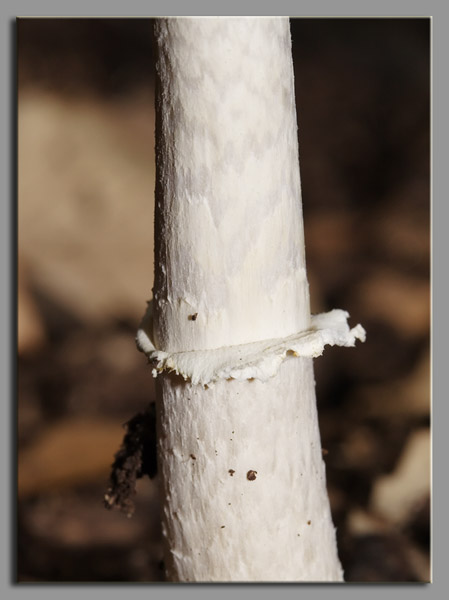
85	268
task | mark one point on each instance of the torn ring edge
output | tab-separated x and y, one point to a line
256	360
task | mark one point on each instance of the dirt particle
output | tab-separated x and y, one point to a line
193	317
308	522
251	475
193	457
136	457
231	472
222	527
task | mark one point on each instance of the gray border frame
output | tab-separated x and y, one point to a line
8	222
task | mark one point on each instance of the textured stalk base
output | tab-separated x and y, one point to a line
243	480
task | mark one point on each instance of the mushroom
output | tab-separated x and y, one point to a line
235	384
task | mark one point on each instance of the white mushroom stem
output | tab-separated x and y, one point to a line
243	480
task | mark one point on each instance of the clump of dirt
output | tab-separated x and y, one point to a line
137	457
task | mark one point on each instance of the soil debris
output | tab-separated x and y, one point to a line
137	457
